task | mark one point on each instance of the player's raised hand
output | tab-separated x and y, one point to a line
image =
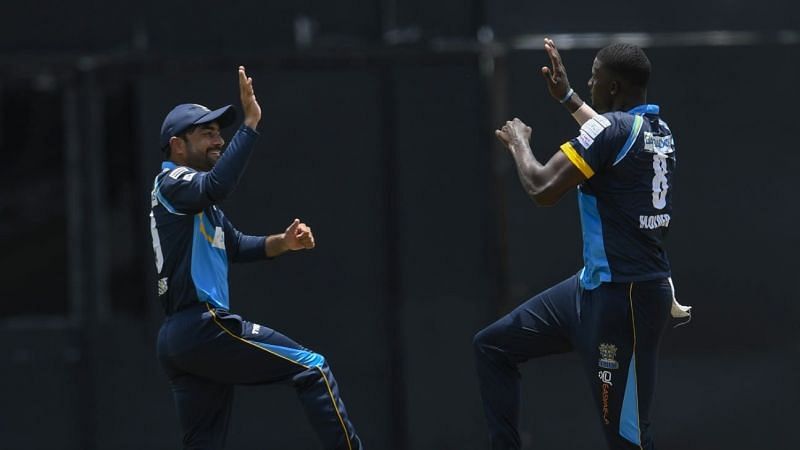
298	236
515	135
555	77
250	106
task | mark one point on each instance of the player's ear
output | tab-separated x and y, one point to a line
614	87
177	146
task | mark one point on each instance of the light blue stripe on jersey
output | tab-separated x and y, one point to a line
303	357
597	269
209	265
161	199
164	201
635	129
645	109
629	417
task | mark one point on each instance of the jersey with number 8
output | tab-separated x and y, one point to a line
628	159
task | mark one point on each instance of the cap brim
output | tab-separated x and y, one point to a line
224	117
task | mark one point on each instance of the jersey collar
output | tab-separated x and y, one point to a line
645	109
168	165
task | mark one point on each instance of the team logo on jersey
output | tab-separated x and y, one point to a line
608	355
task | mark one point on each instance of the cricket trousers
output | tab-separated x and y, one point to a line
616	328
206	351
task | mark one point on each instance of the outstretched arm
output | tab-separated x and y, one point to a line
298	236
186	191
559	87
224	177
250	106
544	184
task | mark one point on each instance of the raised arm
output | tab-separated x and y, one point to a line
225	175
559	87
188	191
247	95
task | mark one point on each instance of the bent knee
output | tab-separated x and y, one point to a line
317	360
483	339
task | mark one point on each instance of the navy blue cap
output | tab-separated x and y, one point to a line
186	115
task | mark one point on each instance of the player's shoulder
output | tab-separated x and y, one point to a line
178	174
610	122
605	128
619	121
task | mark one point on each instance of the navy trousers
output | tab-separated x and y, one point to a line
616	328
206	351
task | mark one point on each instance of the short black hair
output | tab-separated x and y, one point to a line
628	61
187	131
168	151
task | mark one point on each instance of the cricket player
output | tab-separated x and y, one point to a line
204	348
614	311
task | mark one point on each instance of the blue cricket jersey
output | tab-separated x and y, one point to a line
625	204
192	239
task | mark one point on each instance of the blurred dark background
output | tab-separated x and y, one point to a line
377	131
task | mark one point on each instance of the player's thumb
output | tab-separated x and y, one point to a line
546	74
293	225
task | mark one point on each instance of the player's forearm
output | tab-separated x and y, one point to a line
579	109
252	122
225	175
275	245
532	174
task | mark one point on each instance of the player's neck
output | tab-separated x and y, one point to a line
179	161
628	103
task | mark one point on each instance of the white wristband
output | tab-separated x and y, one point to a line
566	97
583	113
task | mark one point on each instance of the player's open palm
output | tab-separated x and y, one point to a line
250	107
298	236
555	77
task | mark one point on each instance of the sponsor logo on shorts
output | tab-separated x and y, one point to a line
162	286
608	355
604	394
607	361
